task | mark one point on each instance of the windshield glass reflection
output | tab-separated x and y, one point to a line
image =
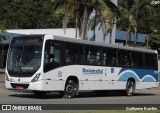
25	58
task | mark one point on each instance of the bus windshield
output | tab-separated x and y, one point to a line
24	58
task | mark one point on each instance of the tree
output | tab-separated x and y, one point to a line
82	10
106	11
128	8
77	9
154	41
2	30
28	14
154	33
134	13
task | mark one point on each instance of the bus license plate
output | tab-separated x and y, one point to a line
19	87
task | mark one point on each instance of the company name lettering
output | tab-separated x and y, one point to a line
21	108
92	71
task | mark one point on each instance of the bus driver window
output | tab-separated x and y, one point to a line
51	57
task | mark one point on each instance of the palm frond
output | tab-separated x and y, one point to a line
69	13
105	10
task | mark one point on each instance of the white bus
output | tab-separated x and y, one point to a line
45	63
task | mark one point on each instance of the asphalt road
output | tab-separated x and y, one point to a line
147	96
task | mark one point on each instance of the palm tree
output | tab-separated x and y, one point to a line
78	9
82	10
126	9
132	11
108	20
105	15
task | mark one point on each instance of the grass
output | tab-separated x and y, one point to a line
116	111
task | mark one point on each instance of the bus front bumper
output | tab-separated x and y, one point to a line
24	86
41	85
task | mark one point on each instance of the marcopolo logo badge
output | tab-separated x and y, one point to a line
92	71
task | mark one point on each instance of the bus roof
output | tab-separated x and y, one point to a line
103	44
79	41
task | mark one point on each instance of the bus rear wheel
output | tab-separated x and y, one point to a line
130	88
70	89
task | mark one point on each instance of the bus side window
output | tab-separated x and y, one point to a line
74	54
150	61
103	58
155	62
69	58
134	60
108	57
113	61
79	59
111	58
93	55
70	53
137	60
82	60
127	60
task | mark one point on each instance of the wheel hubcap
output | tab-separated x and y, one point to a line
69	89
130	88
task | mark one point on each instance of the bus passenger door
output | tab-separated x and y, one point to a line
52	61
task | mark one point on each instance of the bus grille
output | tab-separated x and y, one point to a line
25	86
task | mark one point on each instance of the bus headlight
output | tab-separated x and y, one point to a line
36	77
6	77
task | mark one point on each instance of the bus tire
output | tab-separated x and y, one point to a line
130	88
39	93
70	89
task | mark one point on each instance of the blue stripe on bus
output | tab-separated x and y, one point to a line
138	74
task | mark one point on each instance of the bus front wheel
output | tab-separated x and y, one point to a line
130	88
70	89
